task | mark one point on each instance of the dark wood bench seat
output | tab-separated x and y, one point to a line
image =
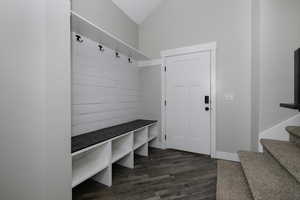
92	138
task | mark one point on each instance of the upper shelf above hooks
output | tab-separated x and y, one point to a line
84	27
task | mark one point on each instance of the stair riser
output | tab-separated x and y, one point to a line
267	153
295	140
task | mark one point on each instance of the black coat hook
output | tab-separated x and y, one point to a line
101	49
117	55
130	60
79	39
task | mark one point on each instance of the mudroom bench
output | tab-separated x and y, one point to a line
94	153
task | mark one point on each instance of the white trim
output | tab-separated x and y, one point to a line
227	156
150	63
89	148
162	105
213	103
188	50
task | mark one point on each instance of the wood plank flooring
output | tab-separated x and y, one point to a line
164	175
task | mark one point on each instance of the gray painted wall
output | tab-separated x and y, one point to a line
105	89
107	15
58	170
35	100
255	78
150	91
178	23
279	37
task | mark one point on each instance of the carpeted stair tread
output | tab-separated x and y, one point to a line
294	130
231	183
286	153
267	179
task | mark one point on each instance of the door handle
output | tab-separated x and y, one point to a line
206	99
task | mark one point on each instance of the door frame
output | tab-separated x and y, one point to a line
208	47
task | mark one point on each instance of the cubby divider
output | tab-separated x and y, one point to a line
142	151
127	161
105	176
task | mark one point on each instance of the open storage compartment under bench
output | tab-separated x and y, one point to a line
88	163
94	153
121	146
140	137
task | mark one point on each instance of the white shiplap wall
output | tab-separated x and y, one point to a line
105	89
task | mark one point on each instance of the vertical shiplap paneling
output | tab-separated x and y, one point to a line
105	89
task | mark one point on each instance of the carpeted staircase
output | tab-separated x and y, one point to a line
272	175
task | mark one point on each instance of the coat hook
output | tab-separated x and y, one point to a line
130	60
79	39
101	49
117	55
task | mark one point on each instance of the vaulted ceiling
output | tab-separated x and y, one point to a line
137	10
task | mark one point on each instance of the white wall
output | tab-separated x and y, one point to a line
107	15
279	37
58	164
150	91
105	89
178	23
34	101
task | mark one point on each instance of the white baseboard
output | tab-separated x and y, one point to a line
278	131
227	156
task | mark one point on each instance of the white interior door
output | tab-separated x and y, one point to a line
187	114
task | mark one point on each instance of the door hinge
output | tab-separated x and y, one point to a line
165	68
165	137
165	102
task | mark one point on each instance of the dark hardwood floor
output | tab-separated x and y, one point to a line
164	175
